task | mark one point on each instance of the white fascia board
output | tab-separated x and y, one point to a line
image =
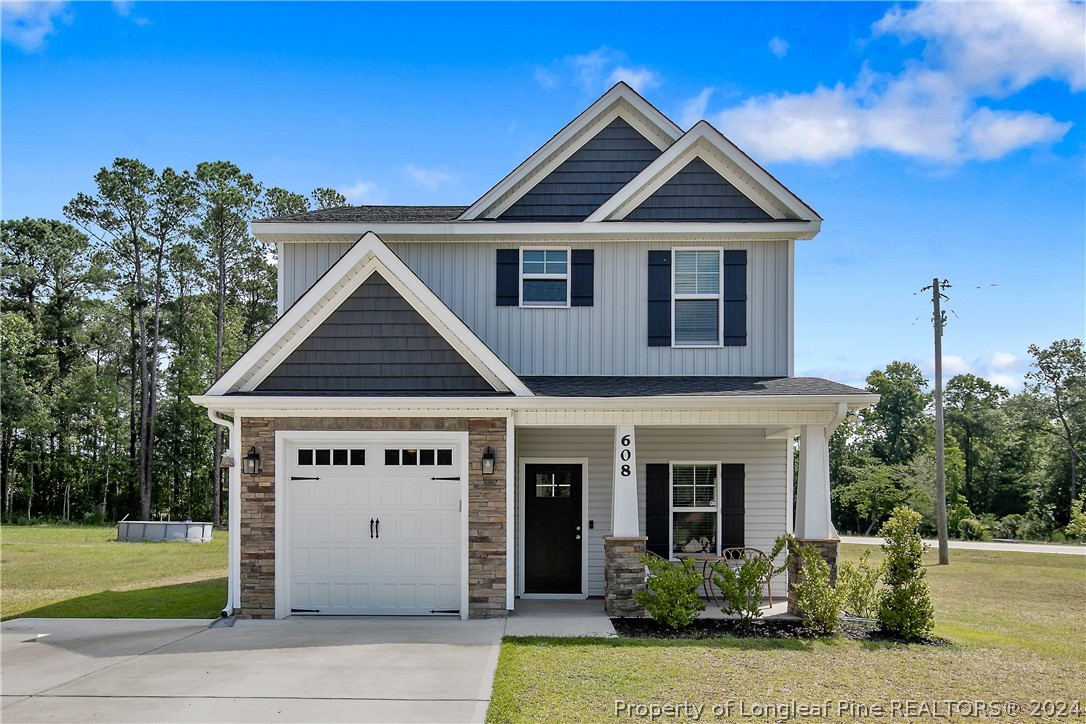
702	141
603	231
494	201
367	256
502	405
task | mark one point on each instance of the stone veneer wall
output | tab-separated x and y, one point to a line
828	549
487	524
623	574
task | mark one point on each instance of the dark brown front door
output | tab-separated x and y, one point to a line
552	529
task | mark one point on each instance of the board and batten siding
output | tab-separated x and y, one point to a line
607	338
765	466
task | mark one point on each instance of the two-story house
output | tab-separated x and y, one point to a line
463	406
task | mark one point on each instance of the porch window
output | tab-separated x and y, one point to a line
696	286
544	277
695	508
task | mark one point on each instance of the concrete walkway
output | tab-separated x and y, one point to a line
379	669
327	670
969	545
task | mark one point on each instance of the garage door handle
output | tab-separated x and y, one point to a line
371	527
378	527
456	478
299	477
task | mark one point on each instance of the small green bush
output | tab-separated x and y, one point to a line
973	529
820	604
741	586
904	604
672	594
860	583
1076	529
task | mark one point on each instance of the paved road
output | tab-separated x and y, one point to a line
1067	550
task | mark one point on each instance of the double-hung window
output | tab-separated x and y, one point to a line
695	519
544	277
696	303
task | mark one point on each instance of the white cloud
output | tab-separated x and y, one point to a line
430	179
1002	361
123	7
640	79
1014	384
930	108
954	365
28	24
596	70
363	192
778	46
694	109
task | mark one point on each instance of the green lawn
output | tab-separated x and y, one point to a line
1016	621
75	571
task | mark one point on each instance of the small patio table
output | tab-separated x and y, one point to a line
731	556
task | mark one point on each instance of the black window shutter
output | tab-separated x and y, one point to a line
735	298
659	311
508	270
658	508
732	505
580	285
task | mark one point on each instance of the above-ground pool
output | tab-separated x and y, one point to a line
156	530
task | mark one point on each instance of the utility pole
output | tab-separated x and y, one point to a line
939	320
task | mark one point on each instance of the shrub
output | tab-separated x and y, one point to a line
741	586
973	529
819	603
860	582
672	594
1077	527
904	604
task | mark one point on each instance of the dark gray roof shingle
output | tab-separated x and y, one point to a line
374	214
684	386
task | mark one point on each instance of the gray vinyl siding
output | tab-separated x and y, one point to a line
608	338
698	193
581	183
765	462
375	342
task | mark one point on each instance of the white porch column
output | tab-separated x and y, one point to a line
813	496
624	523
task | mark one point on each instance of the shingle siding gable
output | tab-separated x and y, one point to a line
375	342
698	193
589	177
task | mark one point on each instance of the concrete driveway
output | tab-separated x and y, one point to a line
313	670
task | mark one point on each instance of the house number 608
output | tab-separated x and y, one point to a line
624	455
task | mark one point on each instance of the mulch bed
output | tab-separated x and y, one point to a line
774	628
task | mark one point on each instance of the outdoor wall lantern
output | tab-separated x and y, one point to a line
251	462
488	462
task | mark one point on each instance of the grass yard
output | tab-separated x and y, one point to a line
1017	622
82	572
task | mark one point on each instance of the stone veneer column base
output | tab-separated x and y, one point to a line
624	574
828	549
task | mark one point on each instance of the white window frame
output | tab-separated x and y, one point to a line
671	502
719	297
567	277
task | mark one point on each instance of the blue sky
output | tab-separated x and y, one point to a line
937	140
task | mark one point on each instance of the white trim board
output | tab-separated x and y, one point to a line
707	143
522	483
620	101
368	255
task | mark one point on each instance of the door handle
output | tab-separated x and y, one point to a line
378	527
371	527
577	537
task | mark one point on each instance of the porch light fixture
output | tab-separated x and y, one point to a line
251	462
488	462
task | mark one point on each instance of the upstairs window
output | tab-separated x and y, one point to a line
544	277
696	298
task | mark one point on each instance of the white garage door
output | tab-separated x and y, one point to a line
374	527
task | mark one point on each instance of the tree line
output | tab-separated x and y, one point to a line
152	285
144	294
1013	461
